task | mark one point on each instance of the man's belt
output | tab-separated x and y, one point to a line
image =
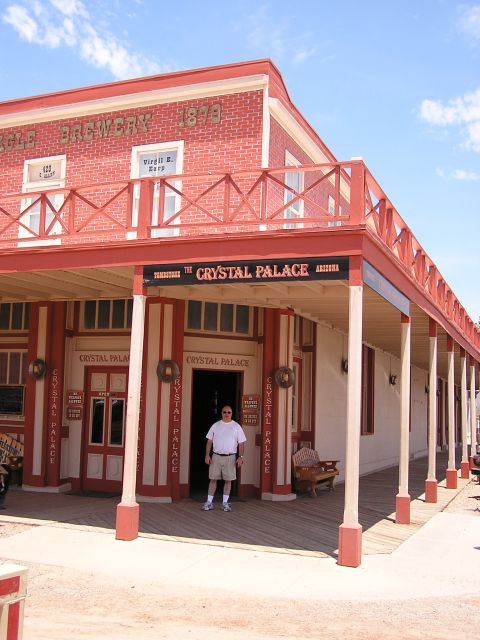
224	454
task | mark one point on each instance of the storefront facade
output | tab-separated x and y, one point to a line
172	244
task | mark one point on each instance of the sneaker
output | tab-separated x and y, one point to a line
208	506
226	506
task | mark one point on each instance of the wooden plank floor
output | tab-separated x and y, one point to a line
307	526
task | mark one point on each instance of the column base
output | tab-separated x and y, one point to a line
465	470
402	508
470	462
431	491
452	478
349	545
128	517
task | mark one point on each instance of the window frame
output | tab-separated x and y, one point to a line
218	330
368	391
126	326
42	185
156	147
291	161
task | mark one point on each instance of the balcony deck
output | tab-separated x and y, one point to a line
306	526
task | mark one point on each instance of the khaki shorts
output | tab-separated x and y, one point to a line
223	467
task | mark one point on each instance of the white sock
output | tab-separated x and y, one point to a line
225	498
209	499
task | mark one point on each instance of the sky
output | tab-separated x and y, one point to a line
396	82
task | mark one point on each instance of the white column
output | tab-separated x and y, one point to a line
354	401
451	410
473	411
404	407
133	407
463	392
432	407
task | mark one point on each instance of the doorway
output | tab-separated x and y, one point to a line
104	429
211	390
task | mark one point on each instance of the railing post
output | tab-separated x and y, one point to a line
357	193
145	208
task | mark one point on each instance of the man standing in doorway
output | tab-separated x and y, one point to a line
224	437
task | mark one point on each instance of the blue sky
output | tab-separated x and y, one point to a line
394	81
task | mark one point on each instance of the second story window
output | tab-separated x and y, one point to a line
42	174
294	180
158	160
107	315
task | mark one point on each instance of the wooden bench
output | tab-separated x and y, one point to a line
309	470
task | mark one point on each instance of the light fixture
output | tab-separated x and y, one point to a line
167	370
344	365
284	377
37	368
392	378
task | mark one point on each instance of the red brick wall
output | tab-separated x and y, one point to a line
231	145
280	142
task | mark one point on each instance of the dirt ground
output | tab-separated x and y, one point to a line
67	604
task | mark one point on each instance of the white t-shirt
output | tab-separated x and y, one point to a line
226	436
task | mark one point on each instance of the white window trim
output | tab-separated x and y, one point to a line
174	145
291	161
41	185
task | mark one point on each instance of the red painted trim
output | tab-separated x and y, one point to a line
141	85
405	319
176	393
402	509
268	412
432	328
450	344
431	491
54	381
356	271
462	352
248	491
452	478
13	628
282	489
30	389
9	585
349	545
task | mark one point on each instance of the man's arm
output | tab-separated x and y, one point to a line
208	449
241	449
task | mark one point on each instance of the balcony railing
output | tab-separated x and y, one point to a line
331	197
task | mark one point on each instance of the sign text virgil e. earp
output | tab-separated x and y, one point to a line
297	269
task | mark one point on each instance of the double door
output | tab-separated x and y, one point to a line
104	429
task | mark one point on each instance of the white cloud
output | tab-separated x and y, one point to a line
470	21
466	176
462	112
57	23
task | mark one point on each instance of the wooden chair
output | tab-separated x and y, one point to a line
309	470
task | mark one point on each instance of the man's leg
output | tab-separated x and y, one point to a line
212	487
227	487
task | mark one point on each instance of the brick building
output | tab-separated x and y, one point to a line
187	240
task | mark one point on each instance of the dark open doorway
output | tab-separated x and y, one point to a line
211	391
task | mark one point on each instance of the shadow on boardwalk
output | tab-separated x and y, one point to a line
307	526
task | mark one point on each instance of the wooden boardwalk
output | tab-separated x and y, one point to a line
306	526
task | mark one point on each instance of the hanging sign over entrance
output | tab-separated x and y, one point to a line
278	270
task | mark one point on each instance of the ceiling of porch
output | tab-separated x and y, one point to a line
325	302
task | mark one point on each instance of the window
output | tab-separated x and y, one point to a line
42	174
151	160
331	212
14	316
294	180
13	374
368	390
107	314
215	317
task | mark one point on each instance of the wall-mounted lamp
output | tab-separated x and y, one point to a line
344	365
37	368
167	370
284	377
392	378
